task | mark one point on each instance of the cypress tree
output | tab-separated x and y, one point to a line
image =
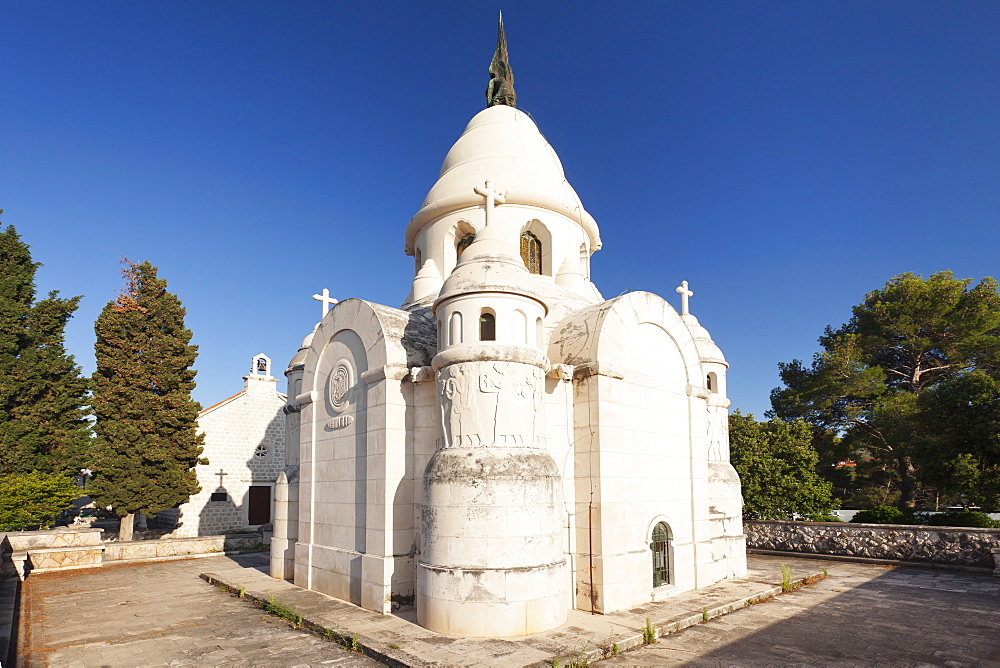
43	397
147	441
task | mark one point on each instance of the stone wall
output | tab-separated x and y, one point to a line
22	552
178	547
938	545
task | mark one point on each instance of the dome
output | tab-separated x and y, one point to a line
707	350
503	145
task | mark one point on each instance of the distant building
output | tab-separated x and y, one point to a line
245	448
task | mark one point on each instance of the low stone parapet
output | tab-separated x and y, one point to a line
50	549
949	546
23	552
180	547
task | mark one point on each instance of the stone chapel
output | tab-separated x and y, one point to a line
245	449
507	445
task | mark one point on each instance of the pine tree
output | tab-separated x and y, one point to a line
896	381
147	441
43	397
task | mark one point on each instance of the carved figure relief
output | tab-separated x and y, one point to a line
716	433
515	401
460	422
497	406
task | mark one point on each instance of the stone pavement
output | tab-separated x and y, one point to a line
585	637
157	614
162	613
861	615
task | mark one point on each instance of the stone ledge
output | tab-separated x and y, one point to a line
309	605
379	651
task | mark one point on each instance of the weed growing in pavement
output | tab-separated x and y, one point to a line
610	647
648	633
279	609
786	577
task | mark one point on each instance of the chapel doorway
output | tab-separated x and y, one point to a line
259	504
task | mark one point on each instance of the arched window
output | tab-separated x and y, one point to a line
464	243
487	327
712	383
531	252
661	554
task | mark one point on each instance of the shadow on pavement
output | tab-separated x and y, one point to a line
902	615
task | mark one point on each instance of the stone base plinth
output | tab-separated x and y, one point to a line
491	602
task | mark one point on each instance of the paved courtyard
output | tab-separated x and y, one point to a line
860	615
165	614
159	614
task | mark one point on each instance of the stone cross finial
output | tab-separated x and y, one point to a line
327	300
685	294
221	475
493	197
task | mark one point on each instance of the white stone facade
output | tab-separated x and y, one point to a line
245	443
508	445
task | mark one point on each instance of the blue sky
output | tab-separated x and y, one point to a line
785	158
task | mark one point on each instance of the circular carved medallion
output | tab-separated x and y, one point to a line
340	384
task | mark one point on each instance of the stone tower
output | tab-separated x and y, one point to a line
492	525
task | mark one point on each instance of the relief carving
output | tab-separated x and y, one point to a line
502	412
340	422
340	384
717	427
460	422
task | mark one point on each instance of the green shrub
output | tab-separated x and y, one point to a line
962	518
34	500
824	517
882	515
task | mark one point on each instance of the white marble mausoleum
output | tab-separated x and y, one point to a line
508	444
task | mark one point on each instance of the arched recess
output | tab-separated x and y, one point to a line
537	229
600	332
462	236
356	354
648	349
518	327
455	329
